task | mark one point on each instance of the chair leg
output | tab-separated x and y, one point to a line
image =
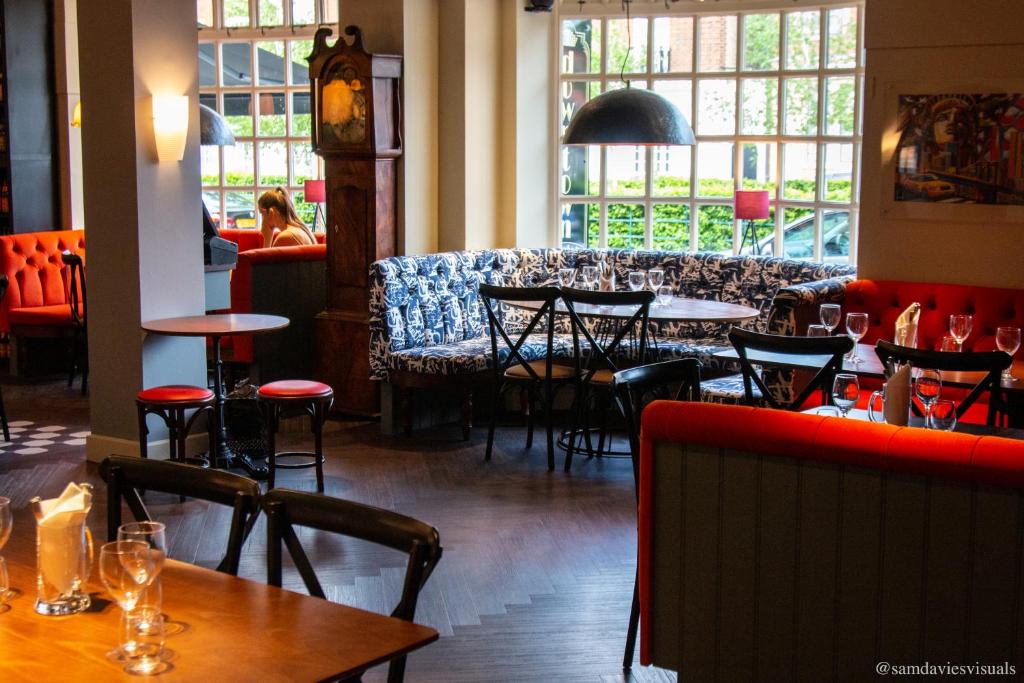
574	411
495	394
318	441
143	434
549	401
634	626
271	444
467	415
405	408
3	418
526	405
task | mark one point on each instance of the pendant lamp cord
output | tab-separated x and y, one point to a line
629	42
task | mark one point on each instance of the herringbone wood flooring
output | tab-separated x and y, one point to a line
538	567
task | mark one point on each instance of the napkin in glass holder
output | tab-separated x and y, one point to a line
64	551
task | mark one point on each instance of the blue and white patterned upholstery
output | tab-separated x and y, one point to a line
425	309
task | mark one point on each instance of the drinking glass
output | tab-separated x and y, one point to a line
142	641
928	388
125	569
589	276
948	343
942	415
817	331
637	280
856	327
154	535
665	295
566	276
829	314
845	392
656	276
960	326
1007	341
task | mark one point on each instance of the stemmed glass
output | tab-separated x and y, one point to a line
856	327
6	523
845	392
829	314
928	388
637	280
1007	341
125	569
589	274
960	326
665	295
154	535
566	276
656	276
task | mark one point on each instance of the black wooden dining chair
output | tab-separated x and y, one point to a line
420	541
757	392
525	361
674	380
79	340
603	346
127	478
992	363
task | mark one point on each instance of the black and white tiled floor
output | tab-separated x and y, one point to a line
33	438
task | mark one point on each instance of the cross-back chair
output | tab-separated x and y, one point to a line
79	341
127	478
832	348
603	347
516	358
991	363
286	509
674	380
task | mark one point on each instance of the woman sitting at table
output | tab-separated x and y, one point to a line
277	211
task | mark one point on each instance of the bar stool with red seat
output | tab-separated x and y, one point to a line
290	397
170	403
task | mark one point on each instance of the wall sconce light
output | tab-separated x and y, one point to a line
76	115
170	126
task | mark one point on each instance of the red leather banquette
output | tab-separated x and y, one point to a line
37	290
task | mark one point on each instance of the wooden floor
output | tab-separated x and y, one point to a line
538	567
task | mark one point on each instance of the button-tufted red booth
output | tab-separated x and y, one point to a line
37	303
884	300
427	325
782	546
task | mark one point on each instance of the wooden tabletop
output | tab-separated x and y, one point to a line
961	427
231	629
868	365
678	310
221	325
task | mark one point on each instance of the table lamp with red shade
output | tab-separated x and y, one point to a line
749	206
315	193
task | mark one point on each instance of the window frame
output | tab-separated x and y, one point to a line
219	35
608	74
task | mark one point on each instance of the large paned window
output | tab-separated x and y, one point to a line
774	100
253	70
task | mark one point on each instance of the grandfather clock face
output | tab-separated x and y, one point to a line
343	110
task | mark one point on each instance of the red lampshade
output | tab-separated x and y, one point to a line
315	193
751	204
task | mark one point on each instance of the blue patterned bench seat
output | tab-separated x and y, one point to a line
426	316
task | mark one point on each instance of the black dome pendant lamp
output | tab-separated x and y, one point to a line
628	117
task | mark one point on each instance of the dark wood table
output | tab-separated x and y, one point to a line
223	629
678	310
961	427
216	327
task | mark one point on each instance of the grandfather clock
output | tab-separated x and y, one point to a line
356	131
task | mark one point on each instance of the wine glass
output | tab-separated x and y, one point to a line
125	569
856	327
637	280
845	392
928	388
154	535
817	331
942	415
829	314
665	295
1007	341
566	276
656	276
145	631
589	274
960	326
948	344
